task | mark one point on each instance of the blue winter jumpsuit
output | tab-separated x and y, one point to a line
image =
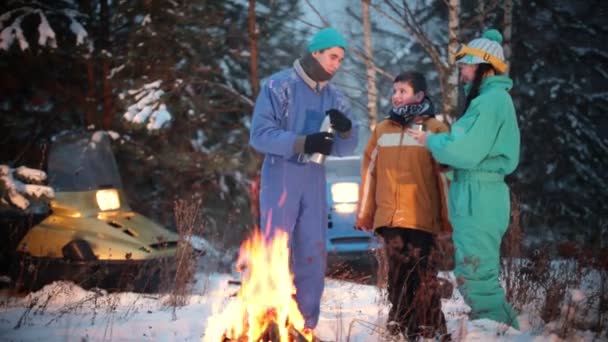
482	147
293	194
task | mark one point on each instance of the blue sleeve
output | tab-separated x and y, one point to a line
345	146
267	134
470	139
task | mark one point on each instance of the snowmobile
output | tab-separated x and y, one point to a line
92	237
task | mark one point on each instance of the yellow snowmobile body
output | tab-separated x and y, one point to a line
92	236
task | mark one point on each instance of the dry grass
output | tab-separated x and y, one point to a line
563	286
187	221
382	260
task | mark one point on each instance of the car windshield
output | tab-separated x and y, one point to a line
343	167
82	162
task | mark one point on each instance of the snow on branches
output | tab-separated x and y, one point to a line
46	34
148	109
17	185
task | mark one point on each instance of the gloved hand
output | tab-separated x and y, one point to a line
319	142
339	121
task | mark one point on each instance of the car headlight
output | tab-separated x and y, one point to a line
107	199
347	192
345	208
345	196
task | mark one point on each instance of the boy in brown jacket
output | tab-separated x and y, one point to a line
402	198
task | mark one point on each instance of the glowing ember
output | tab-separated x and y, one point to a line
264	308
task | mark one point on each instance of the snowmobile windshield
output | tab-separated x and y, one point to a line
82	162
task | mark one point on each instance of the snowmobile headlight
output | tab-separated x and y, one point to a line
107	199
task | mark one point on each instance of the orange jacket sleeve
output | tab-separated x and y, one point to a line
367	191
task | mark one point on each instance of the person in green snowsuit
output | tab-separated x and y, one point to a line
481	148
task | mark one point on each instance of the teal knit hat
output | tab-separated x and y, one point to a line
325	39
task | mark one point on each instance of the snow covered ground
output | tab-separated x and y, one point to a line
350	312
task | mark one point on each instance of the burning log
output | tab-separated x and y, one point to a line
296	336
271	334
264	308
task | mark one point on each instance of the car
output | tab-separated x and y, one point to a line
90	235
351	253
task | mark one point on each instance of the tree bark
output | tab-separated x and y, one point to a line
507	32
481	10
450	97
91	95
253	66
91	98
107	100
372	92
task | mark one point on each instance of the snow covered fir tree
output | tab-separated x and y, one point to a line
173	84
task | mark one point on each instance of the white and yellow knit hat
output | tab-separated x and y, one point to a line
487	49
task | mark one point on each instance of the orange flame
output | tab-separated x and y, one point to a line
266	295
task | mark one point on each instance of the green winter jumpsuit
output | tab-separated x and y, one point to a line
482	147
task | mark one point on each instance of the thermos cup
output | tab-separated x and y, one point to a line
417	127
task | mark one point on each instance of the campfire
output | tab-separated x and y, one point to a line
264	308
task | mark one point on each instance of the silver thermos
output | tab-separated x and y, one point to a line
319	158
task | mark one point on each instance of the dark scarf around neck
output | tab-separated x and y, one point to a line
313	69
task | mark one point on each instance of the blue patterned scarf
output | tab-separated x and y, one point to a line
405	114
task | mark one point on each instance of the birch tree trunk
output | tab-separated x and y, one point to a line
253	50
507	32
372	91
450	95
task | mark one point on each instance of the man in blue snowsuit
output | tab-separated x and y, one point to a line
287	117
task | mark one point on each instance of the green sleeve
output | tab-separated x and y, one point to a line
470	139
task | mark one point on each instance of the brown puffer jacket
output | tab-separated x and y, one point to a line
401	184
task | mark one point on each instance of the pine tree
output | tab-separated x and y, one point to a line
559	73
190	57
43	51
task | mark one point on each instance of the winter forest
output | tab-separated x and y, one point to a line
174	83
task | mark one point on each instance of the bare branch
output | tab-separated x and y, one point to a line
483	13
244	99
241	97
379	70
309	23
355	102
412	27
391	18
323	20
